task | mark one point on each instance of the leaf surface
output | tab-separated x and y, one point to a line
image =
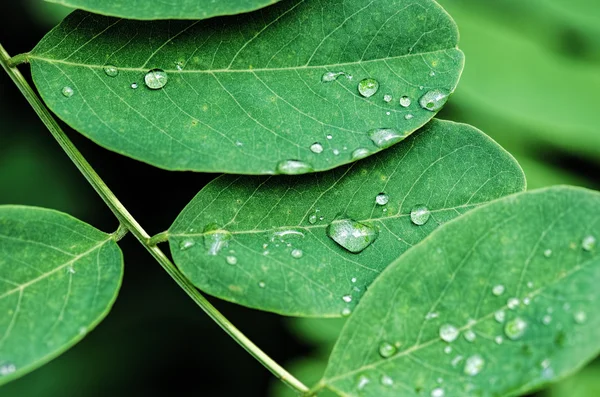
511	286
58	279
263	241
246	94
173	9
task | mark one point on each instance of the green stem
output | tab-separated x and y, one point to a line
159	238
131	224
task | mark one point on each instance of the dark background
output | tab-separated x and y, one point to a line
519	86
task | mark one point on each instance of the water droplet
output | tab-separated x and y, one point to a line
498	339
232	260
432	73
512	303
353	279
352	235
67	92
111	71
433	100
388	98
386	380
134	85
262	284
156	79
286	233
362	382
382	199
215	239
186	244
387	350
470	336
420	215
346	312
515	328
548	253
448	332
71	270
297	253
336	152
526	301
580	317
316	148
438	392
405	101
408	116
530	284
312	219
347	298
368	87
360	153
385	137
456	360
179	65
332	76
588	243
448	349
547	319
329	136
474	365
500	316
293	167
498	290
7	369
431	315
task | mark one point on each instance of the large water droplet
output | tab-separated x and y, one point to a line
474	365
293	167
316	148
515	328
448	332
588	243
420	215
387	350
111	71
498	290
186	244
156	79
215	239
352	235
382	199
368	87
433	100
67	92
405	101
438	392
360	153
385	137
297	253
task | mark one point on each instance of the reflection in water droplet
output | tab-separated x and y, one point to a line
515	328
588	243
388	98
387	350
362	382
232	260
293	167
316	148
438	392
498	290
67	92
134	85
156	79
215	239
368	87
111	71
386	137
382	199
405	101
386	380
297	253
186	244
580	317
420	215
474	365
433	100
352	235
360	153
448	332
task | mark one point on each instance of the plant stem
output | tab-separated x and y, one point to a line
132	225
159	238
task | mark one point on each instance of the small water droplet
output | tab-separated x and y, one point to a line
111	71
297	253
470	335
386	380
474	365
588	243
431	315
385	137
448	332
388	98
346	312
498	289
382	199
347	298
232	260
262	284
352	235
548	253
312	219
332	76
419	215
512	303
316	148
580	317
329	136
515	328
134	85
500	316
438	392
530	284
362	382
368	87
156	79
360	153
433	100
7	369
186	244
432	73
526	301
387	350
336	152
547	319
408	116
67	92
498	339
448	349
71	270
405	101
179	65
456	360
353	279
293	167
215	239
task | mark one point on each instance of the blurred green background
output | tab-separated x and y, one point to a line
532	82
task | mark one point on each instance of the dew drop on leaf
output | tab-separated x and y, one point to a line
512	303
438	392
67	92
387	350
500	316
388	98
347	298
368	87
547	319
232	260
186	244
548	253
433	100
515	328
331	76
580	317
297	253
382	199
474	365
316	148
111	71
470	335
408	116
385	137
419	215
346	312
386	380
7	369
312	219
262	284
498	290
405	101
588	243
362	382
498	339
360	153
352	235
448	332
215	239
134	85
156	79
293	167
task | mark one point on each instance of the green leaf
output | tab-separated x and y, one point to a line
245	94
174	9
58	279
262	241
518	278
